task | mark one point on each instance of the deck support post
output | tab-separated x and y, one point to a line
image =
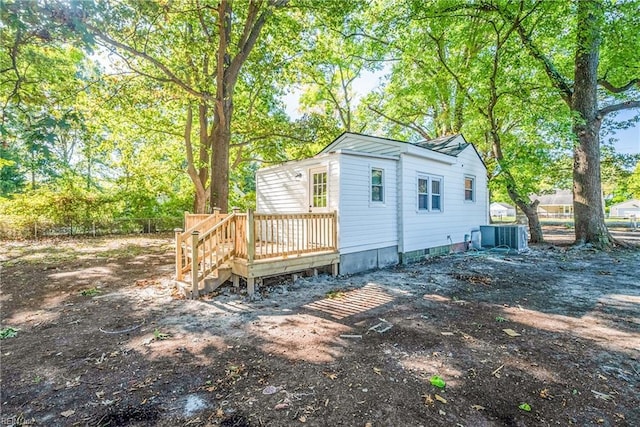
251	285
334	269
178	234
236	282
194	264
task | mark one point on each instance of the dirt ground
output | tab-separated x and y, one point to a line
550	336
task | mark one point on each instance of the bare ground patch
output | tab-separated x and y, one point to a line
102	340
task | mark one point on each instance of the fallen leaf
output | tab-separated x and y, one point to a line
544	393
511	332
99	394
441	412
428	400
302	419
446	333
377	371
525	407
330	375
437	381
68	413
478	407
440	398
219	413
281	406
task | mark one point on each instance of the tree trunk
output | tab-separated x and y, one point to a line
220	168
587	192
530	209
531	212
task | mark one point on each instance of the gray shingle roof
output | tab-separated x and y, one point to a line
444	145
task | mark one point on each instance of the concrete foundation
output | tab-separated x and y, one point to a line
368	260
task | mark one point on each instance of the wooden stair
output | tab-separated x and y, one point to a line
212	282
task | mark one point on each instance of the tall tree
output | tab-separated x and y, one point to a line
597	26
197	49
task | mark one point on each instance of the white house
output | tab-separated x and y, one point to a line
500	210
556	205
625	209
396	201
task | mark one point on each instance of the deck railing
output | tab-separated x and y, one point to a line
284	235
251	236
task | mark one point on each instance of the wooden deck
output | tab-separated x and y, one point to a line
253	246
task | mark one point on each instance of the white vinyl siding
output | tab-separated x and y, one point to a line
365	225
287	189
420	231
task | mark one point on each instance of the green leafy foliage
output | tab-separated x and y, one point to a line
8	332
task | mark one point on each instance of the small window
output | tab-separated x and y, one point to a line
436	197
377	185
423	194
429	193
469	189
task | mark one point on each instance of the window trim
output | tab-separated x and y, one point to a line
430	179
312	186
382	186
473	189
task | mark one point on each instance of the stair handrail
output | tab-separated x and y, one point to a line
195	253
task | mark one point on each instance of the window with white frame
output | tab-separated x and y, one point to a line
430	192
377	185
469	189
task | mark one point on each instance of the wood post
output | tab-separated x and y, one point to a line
251	288
334	269
251	237
216	214
194	264
178	233
236	281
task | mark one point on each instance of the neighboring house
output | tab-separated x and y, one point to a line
556	205
501	210
625	209
395	201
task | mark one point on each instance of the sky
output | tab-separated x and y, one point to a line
628	139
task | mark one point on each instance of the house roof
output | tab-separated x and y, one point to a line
445	144
633	203
560	197
451	145
503	205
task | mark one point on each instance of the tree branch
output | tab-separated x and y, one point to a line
558	80
159	65
416	128
627	105
613	89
